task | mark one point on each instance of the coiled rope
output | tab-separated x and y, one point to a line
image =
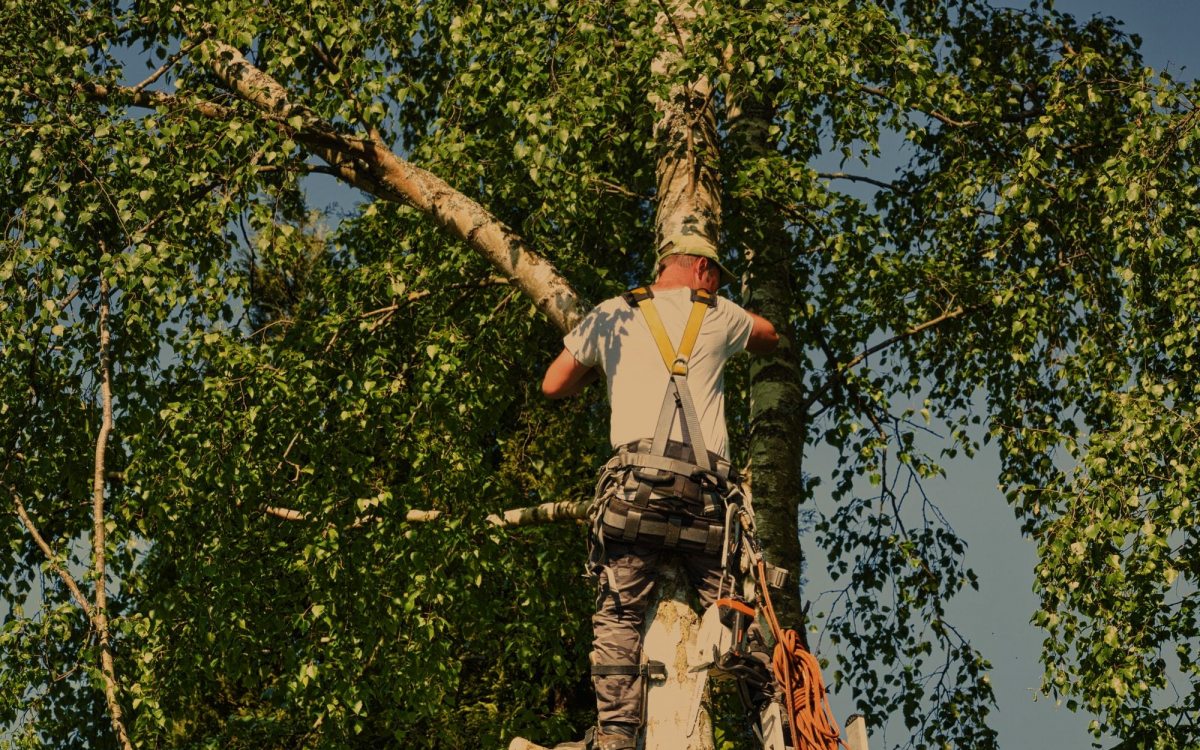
797	670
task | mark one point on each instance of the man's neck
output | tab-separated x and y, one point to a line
670	280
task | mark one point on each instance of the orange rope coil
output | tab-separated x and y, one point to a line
797	670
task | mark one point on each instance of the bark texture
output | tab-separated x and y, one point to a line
689	185
688	201
777	421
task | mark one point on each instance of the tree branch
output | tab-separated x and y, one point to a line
857	178
153	100
957	312
290	514
184	50
935	114
563	510
99	528
370	165
51	558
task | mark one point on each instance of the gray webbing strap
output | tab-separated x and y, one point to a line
655	670
666	463
633	524
672	531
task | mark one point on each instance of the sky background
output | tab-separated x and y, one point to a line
996	618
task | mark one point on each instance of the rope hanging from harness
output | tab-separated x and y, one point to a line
799	677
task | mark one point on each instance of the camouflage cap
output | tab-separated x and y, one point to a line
692	243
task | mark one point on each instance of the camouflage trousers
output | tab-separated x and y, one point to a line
626	591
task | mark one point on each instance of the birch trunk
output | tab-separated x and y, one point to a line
777	421
689	194
688	200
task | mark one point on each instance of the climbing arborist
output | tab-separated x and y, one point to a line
663	491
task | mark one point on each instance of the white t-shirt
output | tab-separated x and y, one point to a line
615	337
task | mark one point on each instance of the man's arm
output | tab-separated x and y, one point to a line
763	338
566	377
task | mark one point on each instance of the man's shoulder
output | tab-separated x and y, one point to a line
604	315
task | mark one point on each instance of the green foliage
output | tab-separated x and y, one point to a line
1036	254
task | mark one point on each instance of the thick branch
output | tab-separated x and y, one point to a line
99	529
289	514
564	510
369	164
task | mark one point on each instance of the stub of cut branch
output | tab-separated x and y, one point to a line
563	510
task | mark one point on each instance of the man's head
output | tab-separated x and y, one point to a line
690	259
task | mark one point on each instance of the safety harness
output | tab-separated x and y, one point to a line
663	491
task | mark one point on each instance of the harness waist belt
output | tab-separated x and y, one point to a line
669	529
676	458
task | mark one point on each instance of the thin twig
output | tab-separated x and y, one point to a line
935	114
51	558
957	312
184	50
857	178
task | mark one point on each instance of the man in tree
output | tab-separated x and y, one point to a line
645	510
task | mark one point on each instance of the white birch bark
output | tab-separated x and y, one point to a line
688	197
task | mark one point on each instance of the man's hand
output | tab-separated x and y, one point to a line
566	377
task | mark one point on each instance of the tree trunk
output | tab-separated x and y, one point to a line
776	398
689	194
689	200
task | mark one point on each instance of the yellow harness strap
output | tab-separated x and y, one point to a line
675	360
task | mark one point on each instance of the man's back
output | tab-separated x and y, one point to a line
615	337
